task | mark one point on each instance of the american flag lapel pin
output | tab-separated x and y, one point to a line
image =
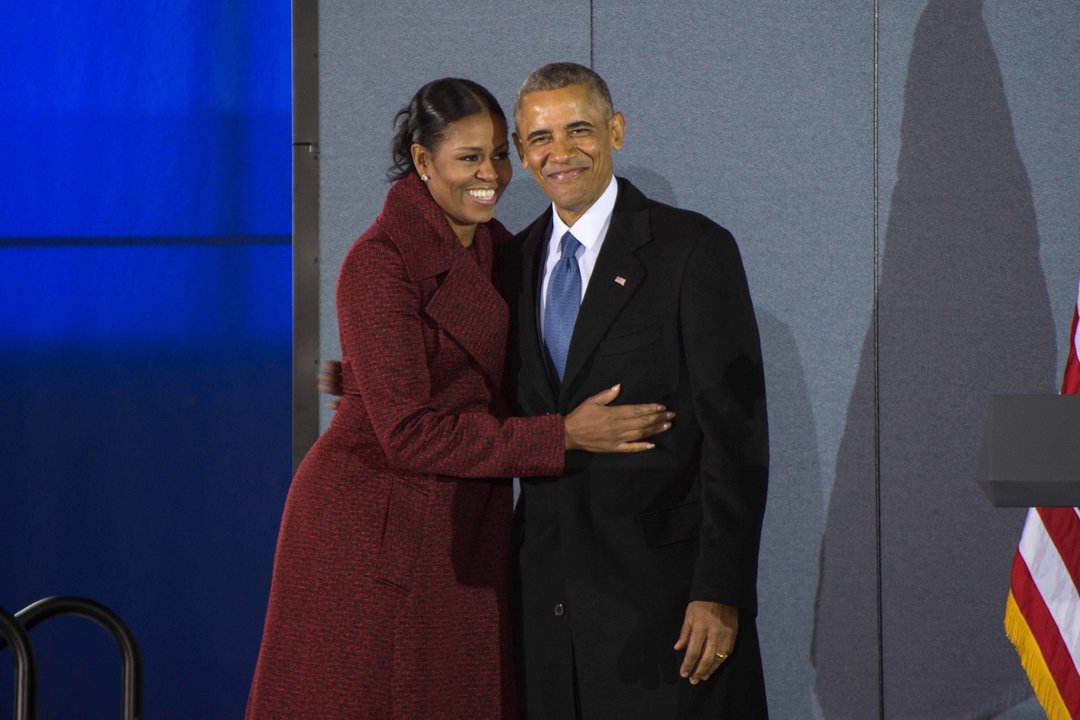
620	280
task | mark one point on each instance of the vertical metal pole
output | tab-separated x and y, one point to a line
305	225
25	670
876	324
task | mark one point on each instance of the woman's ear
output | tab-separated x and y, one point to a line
421	159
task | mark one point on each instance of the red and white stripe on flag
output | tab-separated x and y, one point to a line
1042	613
1071	382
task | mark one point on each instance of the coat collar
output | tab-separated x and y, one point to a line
604	299
466	304
419	228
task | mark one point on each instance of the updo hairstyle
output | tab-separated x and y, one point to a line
430	113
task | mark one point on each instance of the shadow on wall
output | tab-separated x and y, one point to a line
788	569
964	314
653	184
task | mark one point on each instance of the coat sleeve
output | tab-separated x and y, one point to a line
727	383
379	314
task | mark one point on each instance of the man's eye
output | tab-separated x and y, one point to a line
500	156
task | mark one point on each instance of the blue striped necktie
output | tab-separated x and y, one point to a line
563	300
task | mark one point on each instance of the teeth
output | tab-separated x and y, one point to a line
487	194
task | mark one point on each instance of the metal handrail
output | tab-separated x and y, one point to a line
25	670
131	680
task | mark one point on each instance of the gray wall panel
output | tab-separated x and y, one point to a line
759	116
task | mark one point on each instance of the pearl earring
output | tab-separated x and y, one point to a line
424	177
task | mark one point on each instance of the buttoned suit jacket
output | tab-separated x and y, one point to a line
610	553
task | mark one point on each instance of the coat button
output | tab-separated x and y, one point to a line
559	609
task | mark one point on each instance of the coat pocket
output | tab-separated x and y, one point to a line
406	515
671	525
629	342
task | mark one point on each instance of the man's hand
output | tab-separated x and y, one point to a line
708	636
330	381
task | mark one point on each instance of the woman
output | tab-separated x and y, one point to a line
389	597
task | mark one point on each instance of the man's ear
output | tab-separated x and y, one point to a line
617	128
421	158
520	149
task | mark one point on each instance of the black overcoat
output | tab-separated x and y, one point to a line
610	553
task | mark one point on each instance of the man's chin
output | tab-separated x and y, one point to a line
565	201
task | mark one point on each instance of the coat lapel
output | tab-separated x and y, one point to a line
466	305
534	362
469	308
617	276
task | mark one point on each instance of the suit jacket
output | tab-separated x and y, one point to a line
611	552
390	590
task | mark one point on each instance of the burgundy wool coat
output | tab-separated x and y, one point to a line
389	595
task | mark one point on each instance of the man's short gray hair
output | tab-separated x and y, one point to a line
555	76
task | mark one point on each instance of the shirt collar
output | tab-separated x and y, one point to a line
590	227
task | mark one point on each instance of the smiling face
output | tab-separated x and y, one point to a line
566	140
467	171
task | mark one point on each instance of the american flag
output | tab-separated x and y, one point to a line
1042	613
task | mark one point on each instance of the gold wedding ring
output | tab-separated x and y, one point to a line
722	656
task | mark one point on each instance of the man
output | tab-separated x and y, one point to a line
637	572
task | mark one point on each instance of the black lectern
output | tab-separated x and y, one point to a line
1030	451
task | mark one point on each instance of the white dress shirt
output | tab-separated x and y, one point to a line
590	230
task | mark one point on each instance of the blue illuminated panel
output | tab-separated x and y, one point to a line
145	119
116	297
145	338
